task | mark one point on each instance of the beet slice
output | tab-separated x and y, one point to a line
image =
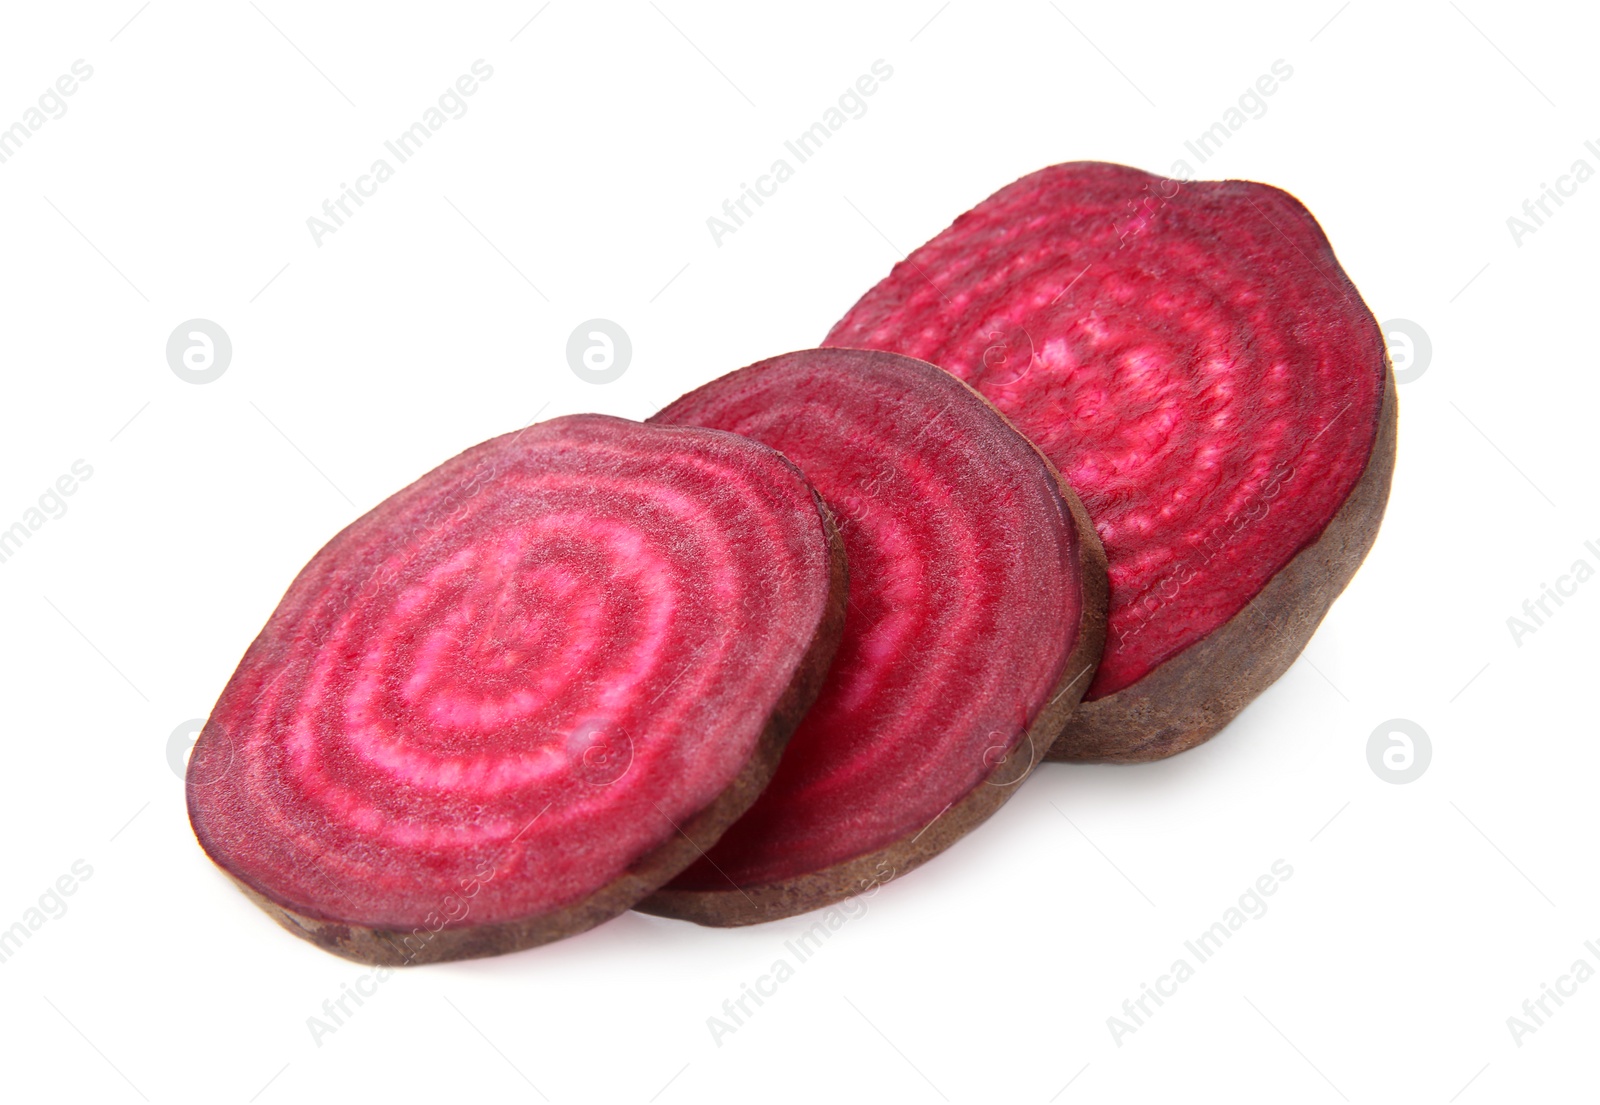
976	615
1200	369
522	693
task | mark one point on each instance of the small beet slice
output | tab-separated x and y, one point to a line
976	615
1200	369
523	692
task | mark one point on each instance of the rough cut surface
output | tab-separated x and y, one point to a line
976	614
523	692
1202	372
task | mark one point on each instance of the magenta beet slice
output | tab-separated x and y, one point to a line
523	692
1200	369
976	614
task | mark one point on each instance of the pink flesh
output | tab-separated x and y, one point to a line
965	599
1190	356
489	696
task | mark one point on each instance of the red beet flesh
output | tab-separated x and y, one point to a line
486	700
967	590
1191	357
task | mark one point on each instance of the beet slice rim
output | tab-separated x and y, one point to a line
523	692
975	619
1194	359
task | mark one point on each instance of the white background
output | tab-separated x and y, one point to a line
178	184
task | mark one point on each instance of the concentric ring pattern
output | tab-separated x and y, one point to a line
489	696
965	601
1191	357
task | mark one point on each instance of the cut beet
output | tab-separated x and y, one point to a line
1200	369
976	615
522	693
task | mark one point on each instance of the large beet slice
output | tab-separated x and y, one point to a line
1200	369
976	615
523	692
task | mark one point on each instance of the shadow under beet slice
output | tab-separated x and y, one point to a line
976	615
1200	369
523	692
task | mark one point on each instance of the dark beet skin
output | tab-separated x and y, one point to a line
976	614
523	692
1200	369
